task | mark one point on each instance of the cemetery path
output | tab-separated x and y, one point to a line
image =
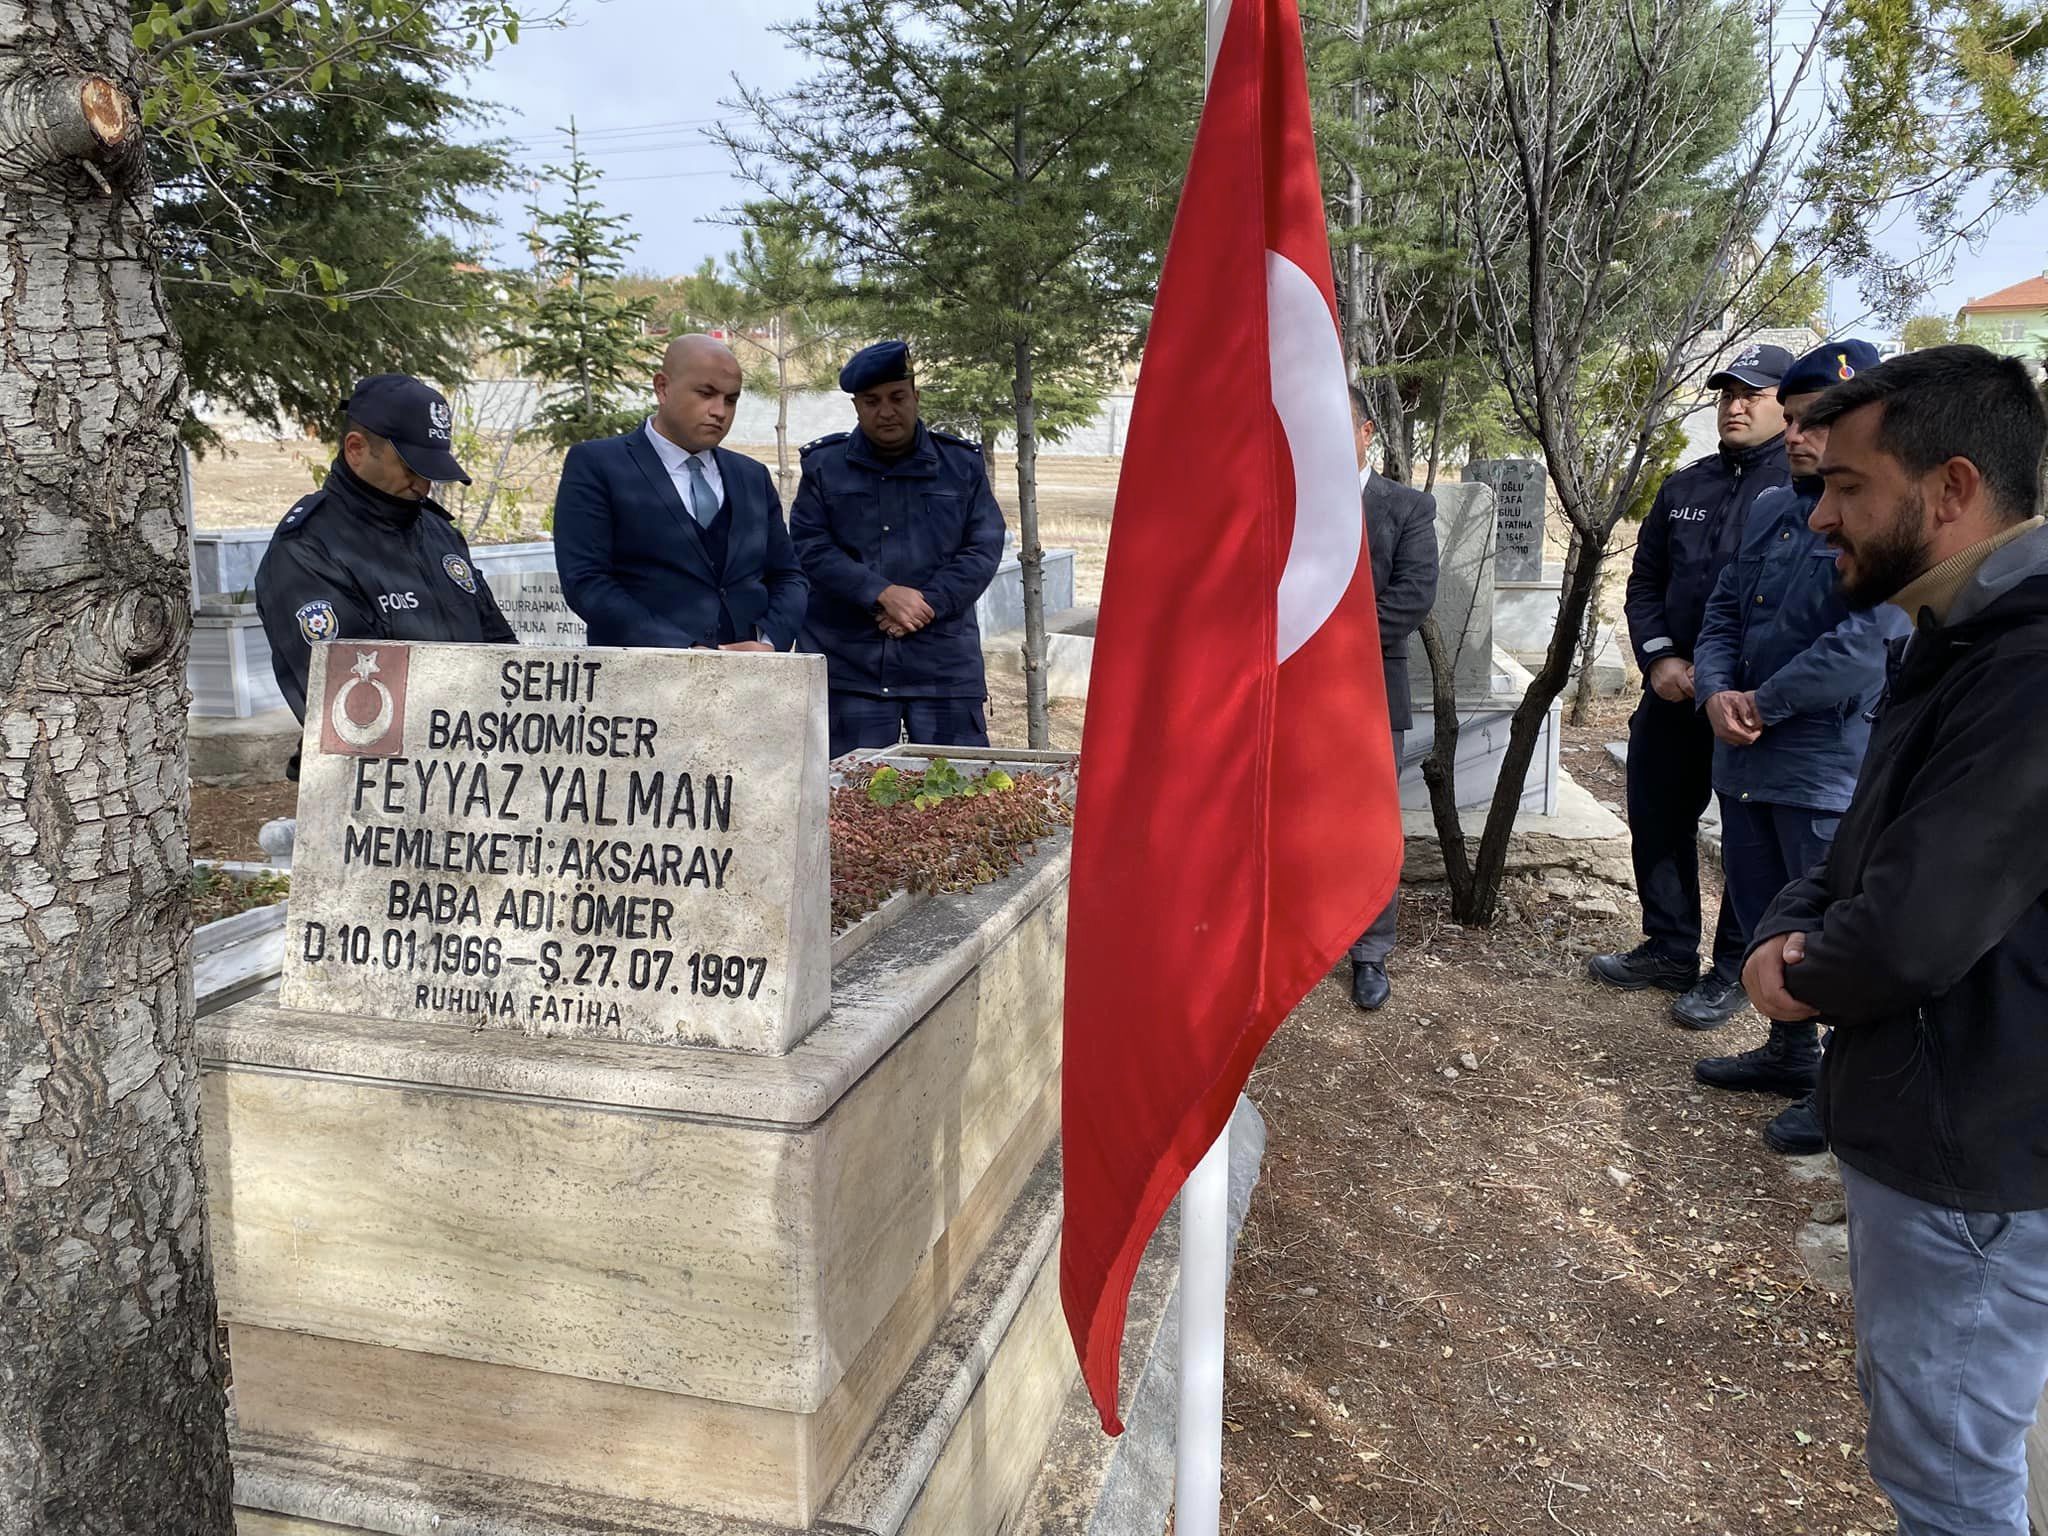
1509	1270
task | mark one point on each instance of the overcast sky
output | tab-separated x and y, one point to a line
644	78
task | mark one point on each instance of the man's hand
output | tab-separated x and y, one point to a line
748	645
1671	679
1734	717
1763	978
904	607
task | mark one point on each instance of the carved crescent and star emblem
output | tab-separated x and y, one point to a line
364	671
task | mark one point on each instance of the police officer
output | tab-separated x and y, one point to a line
1785	672
1693	529
899	534
370	555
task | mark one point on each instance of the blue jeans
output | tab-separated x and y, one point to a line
1951	1355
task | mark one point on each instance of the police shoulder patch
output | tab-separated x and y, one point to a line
822	442
317	621
301	509
459	572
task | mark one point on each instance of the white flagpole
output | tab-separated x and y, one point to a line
1204	1254
1204	1277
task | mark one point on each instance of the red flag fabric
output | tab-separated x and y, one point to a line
1237	826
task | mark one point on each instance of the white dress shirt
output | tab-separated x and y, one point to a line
675	458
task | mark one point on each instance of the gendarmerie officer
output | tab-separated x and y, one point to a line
371	555
899	533
1693	530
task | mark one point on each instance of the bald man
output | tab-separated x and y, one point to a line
665	539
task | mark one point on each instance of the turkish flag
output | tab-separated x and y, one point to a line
1237	826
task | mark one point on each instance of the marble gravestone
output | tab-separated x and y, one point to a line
533	605
1520	488
612	845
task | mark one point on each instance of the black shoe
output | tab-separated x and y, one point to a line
1644	967
1796	1131
1788	1063
1369	984
1710	1004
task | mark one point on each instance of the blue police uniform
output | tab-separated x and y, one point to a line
926	520
1693	530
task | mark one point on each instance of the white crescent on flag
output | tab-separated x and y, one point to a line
1307	364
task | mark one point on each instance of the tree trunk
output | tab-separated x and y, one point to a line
1581	571
1440	768
1030	554
1589	642
112	1416
781	336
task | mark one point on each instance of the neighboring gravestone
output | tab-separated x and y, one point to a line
1463	609
611	845
1520	487
533	605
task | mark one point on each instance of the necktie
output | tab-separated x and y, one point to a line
703	504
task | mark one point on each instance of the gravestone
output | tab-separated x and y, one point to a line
611	845
533	605
1463	608
1520	487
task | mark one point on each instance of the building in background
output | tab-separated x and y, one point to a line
2013	320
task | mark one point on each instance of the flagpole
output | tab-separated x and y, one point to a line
1204	1277
1204	1245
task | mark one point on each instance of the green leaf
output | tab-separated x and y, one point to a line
996	779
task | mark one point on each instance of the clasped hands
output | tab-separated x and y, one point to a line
1763	978
1734	717
901	611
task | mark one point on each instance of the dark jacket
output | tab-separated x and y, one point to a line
639	571
927	520
350	562
1400	536
1777	625
1927	927
1693	529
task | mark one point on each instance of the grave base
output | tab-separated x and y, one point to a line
954	1452
486	1285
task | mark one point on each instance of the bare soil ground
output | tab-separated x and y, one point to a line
251	484
1510	1270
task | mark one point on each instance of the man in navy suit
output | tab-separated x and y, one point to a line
665	539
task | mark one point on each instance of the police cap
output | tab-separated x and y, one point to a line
886	362
1759	366
416	419
1825	366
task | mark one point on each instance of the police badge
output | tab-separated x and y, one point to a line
459	572
317	622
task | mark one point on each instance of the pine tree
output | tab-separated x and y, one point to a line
327	236
587	344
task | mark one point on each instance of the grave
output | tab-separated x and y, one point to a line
1521	490
574	1181
1488	684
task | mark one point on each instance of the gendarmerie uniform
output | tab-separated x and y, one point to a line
924	519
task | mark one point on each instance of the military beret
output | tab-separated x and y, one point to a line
885	362
1828	365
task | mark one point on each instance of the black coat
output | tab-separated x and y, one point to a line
927	520
639	571
1927	926
1400	535
349	562
1693	530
